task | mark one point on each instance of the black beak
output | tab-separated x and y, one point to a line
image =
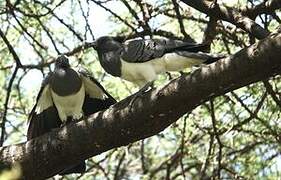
62	61
94	45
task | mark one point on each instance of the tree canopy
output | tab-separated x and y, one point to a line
220	121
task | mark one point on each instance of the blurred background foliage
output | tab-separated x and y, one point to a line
233	136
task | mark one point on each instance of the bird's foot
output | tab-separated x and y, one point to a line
213	4
72	120
55	129
182	73
68	121
141	92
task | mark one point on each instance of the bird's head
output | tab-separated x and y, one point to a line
106	43
62	62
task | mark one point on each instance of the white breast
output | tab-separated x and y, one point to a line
175	62
141	73
69	105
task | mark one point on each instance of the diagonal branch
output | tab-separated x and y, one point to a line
11	49
150	114
273	95
265	7
180	20
9	88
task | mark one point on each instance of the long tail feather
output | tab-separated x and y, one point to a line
185	46
214	59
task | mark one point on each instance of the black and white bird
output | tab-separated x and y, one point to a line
66	95
141	60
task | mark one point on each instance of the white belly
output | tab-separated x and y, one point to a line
175	62
139	73
69	105
142	73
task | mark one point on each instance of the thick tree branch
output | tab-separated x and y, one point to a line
150	114
229	14
266	7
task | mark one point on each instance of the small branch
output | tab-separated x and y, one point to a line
132	11
271	92
49	35
217	136
207	160
4	118
26	31
180	20
210	32
146	14
182	146
9	89
86	17
143	162
115	15
118	174
11	49
79	48
69	27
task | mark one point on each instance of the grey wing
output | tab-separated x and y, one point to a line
43	116
191	50
96	97
206	58
139	50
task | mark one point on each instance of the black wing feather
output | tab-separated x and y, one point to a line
140	50
43	122
93	104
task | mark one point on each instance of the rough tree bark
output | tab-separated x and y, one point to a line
150	114
232	15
